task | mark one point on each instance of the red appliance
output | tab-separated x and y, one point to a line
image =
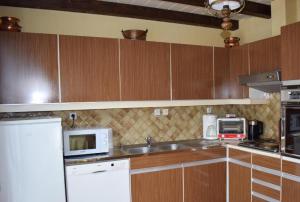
232	128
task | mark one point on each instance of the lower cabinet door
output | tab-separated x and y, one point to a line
290	190
239	183
205	183
160	186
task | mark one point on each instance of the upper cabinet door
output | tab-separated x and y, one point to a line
265	55
145	70
192	72
239	65
290	52
221	73
89	69
28	68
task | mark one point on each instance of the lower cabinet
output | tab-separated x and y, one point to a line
239	183
158	186
290	190
290	181
205	183
187	176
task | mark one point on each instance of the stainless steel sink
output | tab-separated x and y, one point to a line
154	148
140	150
171	147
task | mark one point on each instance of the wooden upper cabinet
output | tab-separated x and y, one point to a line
221	75
28	68
89	69
290	52
192	72
239	65
145	70
265	55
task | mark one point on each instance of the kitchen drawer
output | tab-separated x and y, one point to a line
266	191
256	199
291	168
266	177
266	161
169	158
240	155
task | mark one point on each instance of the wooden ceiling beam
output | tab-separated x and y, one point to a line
251	8
122	10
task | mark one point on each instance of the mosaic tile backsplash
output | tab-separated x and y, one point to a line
132	126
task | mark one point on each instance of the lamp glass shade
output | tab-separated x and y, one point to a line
218	5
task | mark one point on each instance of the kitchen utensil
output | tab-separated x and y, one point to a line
210	127
10	24
135	34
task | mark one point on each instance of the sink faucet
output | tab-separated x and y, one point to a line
149	141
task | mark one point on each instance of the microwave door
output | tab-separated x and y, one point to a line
292	130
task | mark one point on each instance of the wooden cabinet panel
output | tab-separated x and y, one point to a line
273	179
266	161
290	191
266	191
169	158
239	183
239	65
28	68
221	73
145	70
265	55
161	186
290	51
240	155
205	183
89	69
291	168
192	72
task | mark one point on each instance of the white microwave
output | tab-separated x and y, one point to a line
87	141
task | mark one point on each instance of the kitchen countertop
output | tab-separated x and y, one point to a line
119	153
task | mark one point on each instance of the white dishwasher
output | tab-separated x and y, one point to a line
107	181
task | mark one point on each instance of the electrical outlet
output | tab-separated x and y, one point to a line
156	112
73	114
165	112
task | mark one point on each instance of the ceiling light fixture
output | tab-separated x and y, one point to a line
224	9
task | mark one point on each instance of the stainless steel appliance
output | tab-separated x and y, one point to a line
87	141
107	181
255	129
290	120
267	81
265	145
231	128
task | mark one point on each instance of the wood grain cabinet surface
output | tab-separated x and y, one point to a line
28	68
239	65
161	186
290	188
145	70
265	55
205	183
239	183
290	51
221	73
89	69
192	72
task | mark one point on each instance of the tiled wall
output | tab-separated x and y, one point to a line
132	126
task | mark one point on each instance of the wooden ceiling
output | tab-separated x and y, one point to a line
191	12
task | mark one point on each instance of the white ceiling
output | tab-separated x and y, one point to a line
178	7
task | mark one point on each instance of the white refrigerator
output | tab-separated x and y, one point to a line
31	160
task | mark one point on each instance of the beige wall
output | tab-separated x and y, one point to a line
254	29
57	22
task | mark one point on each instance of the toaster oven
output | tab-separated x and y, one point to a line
231	128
